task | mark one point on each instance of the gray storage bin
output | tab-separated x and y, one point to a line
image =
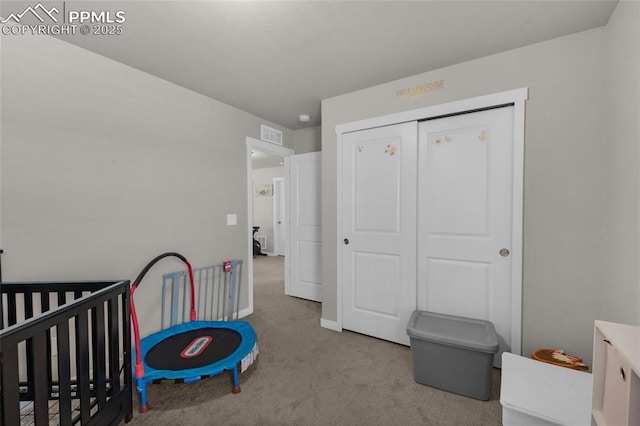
453	353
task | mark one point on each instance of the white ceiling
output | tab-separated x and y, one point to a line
279	59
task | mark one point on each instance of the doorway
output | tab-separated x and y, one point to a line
268	169
265	161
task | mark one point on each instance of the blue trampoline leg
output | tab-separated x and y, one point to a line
142	389
236	381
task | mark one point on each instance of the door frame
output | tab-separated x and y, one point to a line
254	144
515	97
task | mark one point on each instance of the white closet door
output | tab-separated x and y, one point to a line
379	230
465	224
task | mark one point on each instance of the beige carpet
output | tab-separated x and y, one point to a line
307	375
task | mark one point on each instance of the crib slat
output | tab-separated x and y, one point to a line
225	296
11	309
221	294
64	373
197	280
165	281
175	296
39	380
10	386
216	279
230	302
211	301
237	268
82	365
44	303
112	336
28	313
28	305
99	361
186	298
203	295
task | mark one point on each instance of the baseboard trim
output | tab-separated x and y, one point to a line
245	312
331	325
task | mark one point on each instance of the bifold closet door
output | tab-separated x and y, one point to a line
379	230
465	217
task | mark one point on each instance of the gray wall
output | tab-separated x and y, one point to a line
620	298
307	140
104	167
563	282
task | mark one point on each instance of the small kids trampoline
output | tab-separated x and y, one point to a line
194	349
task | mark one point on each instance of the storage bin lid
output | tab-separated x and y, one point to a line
453	330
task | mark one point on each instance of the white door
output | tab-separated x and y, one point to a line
464	220
279	217
303	261
379	230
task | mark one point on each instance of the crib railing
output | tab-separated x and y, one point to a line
66	351
217	290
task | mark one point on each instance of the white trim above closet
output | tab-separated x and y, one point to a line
515	97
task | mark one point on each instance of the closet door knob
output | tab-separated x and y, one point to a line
346	241
504	252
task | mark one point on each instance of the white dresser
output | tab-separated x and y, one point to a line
616	375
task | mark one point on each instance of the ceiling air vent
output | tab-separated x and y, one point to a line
271	135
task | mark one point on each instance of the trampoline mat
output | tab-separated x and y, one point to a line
193	349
